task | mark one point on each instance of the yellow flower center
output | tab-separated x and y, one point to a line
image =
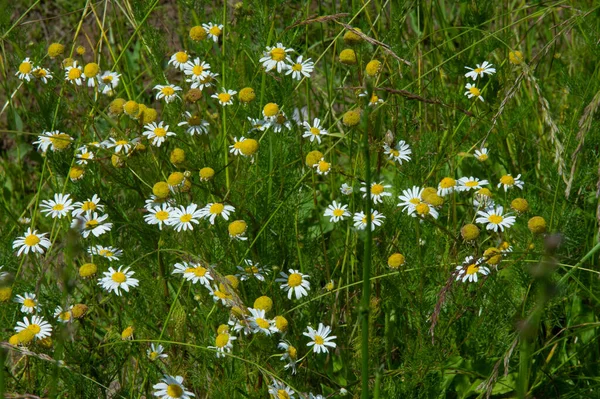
65	316
338	212
34	328
475	91
224	97
74	73
215	31
25	68
58	207
119	277
297	67
107	79
181	57
377	189
121	142
197	70
91	70
294	280
88	206
495	219
507	180
271	109
32	240
198	271
167	91
374	99
194	120
185	218
262	323
278	54
61	140
447	182
282	394
422	209
153	355
472	269
251	270
222	340
324	166
315	131
105	252
319	340
91	224
174	391
221	295
40	72
30	303
483	157
160	132
394	152
85	155
471	183
292	352
415	201
216	209
161	215
478	70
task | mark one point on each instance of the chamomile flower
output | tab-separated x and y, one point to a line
213	31
110	253
90	223
156	352
218	295
473	91
26	69
320	339
275	57
31	241
295	283
207	81
223	343
196	70
509	182
154	201
471	183
374	100
410	198
55	140
225	97
495	219
278	390
346	189
90	205
29	303
360	220
236	147
120	146
315	131
336	212
399	153
377	191
259	322
39	327
172	388
447	186
63	315
74	74
482	154
470	268
194	272
423	209
179	60
212	210
108	82
158	133
251	270
195	124
482	69
168	92
120	279
57	208
290	355
83	155
322	167
280	121
42	74
258	124
183	217
158	215
300	68
90	73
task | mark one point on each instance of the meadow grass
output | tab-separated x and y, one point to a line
445	295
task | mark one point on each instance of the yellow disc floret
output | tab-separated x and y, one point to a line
177	156
197	33
161	190
263	303
271	109
351	118
348	57
55	49
247	95
88	270
351	38
469	232
537	225
520	205
373	68
396	260
313	158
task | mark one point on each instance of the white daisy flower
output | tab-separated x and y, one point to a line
473	91
295	283
108	82
280	122
360	220
183	217
320	339
239	325
25	70
57	208
236	147
482	69
208	81
495	219
39	327
158	215
168	92
196	70
259	124
336	212
212	210
172	388
156	352
56	141
91	205
120	146
471	183
74	74
482	202
299	68
31	241
90	222
42	74
260	323
422	209
374	100
213	31
290	355
410	198
195	124
346	189
110	253
218	295
400	153
115	280
322	167
275	57
482	154
63	315
251	269
83	155
315	131
470	268
225	97
158	133
279	390
154	202
28	302
223	344
509	182
377	191
194	272
447	186
179	60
